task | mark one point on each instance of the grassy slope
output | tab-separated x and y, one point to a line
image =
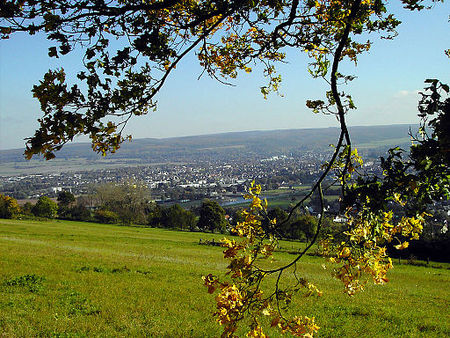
109	281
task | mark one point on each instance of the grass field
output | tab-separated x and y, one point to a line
83	279
285	201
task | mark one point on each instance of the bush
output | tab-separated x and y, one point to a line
106	217
80	213
75	213
172	217
27	209
45	207
9	208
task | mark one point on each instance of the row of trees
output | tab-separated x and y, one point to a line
44	207
126	203
210	216
130	203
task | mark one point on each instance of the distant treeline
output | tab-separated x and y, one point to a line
130	203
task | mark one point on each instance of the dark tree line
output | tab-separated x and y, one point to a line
211	217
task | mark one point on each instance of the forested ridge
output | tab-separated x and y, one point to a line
260	143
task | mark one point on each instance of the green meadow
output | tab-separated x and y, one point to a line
61	278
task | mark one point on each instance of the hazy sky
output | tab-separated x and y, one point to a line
385	92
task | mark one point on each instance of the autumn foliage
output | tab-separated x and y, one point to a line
243	296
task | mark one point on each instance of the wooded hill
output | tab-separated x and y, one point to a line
236	144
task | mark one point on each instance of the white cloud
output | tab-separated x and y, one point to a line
406	93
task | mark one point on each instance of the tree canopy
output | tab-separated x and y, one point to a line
128	200
65	198
131	47
212	216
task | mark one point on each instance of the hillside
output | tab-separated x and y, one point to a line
250	143
61	278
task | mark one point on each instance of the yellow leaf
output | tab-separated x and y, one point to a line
402	246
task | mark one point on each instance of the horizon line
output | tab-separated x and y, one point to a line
231	132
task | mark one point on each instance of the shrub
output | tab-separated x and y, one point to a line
45	207
106	217
80	213
8	207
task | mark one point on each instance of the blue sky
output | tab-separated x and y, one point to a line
385	92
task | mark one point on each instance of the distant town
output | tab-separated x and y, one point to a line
222	180
186	170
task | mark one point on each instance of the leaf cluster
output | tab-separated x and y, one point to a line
243	296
